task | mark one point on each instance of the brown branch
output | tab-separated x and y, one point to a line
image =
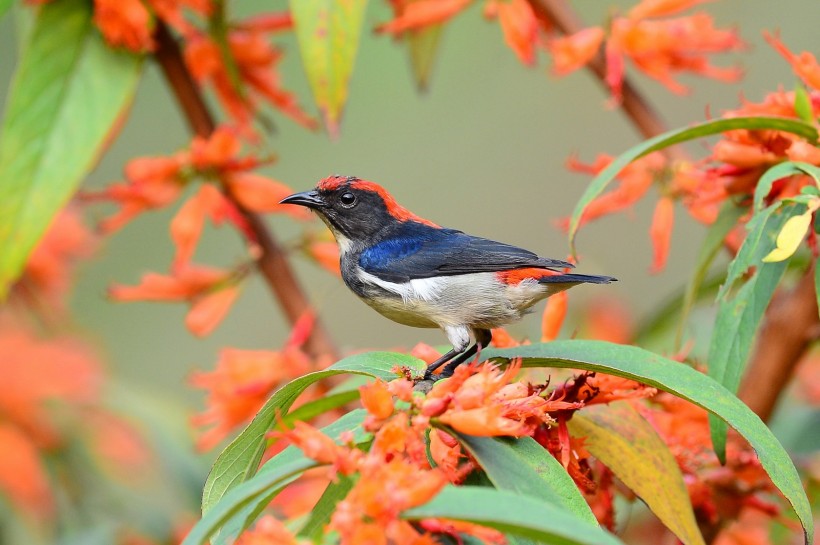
272	262
791	324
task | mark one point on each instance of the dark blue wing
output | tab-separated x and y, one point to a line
418	251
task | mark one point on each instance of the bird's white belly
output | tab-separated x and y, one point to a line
477	300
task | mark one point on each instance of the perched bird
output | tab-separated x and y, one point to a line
420	274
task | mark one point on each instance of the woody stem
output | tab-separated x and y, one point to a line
791	321
272	263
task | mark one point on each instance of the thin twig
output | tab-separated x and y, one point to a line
272	262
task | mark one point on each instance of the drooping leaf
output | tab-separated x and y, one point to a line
512	513
240	459
311	410
727	218
328	32
738	317
239	510
627	444
677	136
683	381
525	467
68	97
423	45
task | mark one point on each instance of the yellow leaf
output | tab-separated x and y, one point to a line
790	237
628	445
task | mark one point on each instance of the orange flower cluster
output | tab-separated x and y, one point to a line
39	418
735	165
156	182
48	271
244	379
657	45
241	66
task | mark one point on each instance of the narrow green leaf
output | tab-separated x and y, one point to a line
764	185
677	136
4	7
727	218
68	97
311	410
525	467
246	507
802	104
328	32
240	459
739	317
423	45
763	229
683	381
512	513
320	514
627	444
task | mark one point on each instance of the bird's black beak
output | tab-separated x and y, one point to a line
309	199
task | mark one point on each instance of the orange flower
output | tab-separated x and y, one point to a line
170	11
48	269
208	311
240	385
23	476
184	284
377	399
608	319
662	8
323	449
570	53
124	23
425	352
187	225
520	27
553	318
262	194
417	14
454	528
661	232
267	531
119	447
255	62
805	64
660	48
448	455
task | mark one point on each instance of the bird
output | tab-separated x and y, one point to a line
420	274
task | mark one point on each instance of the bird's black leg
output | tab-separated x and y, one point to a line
482	340
428	373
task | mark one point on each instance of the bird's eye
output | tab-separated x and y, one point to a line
347	200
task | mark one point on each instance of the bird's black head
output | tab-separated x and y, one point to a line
354	209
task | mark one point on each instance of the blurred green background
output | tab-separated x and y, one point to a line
483	151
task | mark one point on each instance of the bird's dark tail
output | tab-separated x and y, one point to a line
576	279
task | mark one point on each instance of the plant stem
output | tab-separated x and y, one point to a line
272	262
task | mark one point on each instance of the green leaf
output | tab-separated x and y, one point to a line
328	32
311	410
320	514
525	467
677	136
782	170
512	513
4	7
739	317
727	218
240	459
423	45
802	104
69	95
683	381
763	229
817	280
624	441
238	510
